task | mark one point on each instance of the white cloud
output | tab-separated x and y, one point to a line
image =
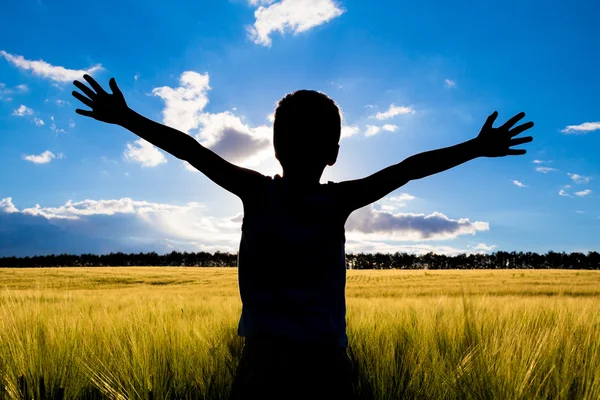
143	152
394	111
372	130
53	127
540	162
260	2
6	92
45	70
583	193
271	117
71	124
189	166
366	246
61	103
3	89
43	158
224	133
228	136
7	206
402	197
450	83
136	77
124	224
38	122
392	204
22	111
484	247
519	184
563	193
102	226
349	130
184	104
545	170
296	16
579	178
389	127
369	223
583	128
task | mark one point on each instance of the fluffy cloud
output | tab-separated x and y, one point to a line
563	193
583	128
43	158
102	226
372	130
402	197
296	16
392	204
225	133
450	83
545	170
394	111
144	153
22	111
369	223
583	193
38	122
519	184
349	130
366	246
228	136
484	247
579	178
6	92
184	104
260	2
7	206
45	70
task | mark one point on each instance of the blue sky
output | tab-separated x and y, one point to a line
409	77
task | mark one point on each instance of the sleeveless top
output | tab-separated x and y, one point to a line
291	266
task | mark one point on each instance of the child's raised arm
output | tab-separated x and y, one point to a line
112	109
491	142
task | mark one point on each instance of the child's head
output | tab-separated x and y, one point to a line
306	130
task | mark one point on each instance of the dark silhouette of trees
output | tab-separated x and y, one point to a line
497	260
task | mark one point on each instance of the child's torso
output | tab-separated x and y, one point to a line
292	270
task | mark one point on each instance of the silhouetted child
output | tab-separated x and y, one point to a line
291	265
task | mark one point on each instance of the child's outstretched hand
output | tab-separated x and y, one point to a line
497	142
110	108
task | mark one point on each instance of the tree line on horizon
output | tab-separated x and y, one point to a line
496	260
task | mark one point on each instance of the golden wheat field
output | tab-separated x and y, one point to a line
170	333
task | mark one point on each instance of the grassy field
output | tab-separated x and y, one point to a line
170	333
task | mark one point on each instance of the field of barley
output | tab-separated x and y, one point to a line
170	333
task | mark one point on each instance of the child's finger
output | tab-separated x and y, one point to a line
93	84
489	122
89	92
515	152
86	113
511	122
113	86
521	128
83	99
518	141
